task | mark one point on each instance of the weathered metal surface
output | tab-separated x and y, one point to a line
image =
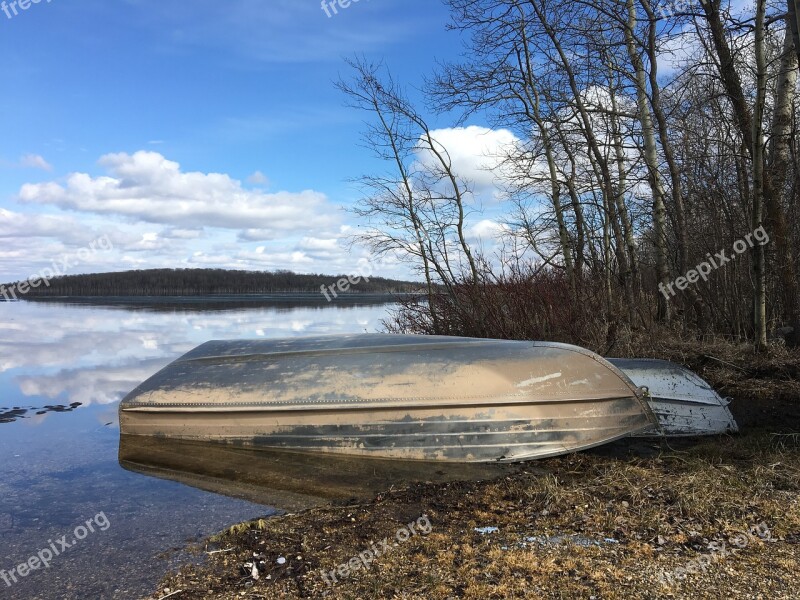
683	402
408	397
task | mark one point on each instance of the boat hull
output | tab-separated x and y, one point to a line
403	397
684	404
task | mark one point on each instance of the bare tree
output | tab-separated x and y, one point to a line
420	208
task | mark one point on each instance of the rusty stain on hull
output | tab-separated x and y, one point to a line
409	397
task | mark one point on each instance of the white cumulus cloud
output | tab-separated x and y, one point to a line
145	186
476	153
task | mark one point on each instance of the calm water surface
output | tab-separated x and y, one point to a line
60	469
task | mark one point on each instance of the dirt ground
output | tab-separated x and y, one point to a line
705	518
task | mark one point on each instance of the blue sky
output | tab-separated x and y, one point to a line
194	133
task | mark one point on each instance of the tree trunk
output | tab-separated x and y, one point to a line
760	301
651	161
778	165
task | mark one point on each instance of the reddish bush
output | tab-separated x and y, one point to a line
533	306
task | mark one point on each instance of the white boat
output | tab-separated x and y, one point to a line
683	402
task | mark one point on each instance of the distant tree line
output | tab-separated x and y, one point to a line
192	282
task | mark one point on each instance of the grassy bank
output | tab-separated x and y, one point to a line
695	519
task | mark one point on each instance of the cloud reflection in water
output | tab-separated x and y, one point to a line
62	354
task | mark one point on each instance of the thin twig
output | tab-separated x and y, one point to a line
725	362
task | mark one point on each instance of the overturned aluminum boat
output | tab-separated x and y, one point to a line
391	396
683	402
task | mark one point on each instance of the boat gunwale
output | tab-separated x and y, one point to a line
371	404
437	343
719	401
384	349
347	453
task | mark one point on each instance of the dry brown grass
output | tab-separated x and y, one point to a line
661	510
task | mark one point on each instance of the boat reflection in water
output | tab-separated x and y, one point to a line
289	481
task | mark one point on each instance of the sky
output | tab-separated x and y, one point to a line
174	133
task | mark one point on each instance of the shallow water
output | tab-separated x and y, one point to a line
59	469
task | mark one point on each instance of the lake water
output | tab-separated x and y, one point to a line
59	468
